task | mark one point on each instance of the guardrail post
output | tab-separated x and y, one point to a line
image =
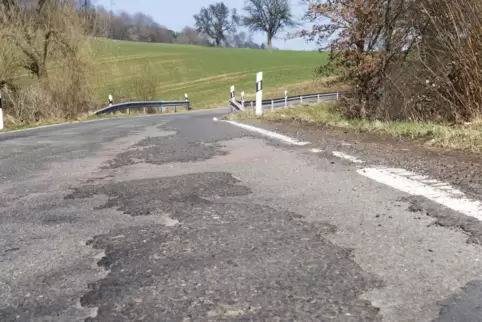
301	100
259	93
286	98
242	99
337	96
318	98
252	105
1	111
272	105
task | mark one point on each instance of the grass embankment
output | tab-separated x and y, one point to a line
205	73
457	137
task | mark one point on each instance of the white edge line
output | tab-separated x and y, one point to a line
270	134
450	198
347	157
316	150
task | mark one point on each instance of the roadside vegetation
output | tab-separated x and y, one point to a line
416	61
36	37
413	68
466	137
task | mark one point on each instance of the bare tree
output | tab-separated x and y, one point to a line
47	38
9	62
40	29
216	22
269	16
191	36
405	59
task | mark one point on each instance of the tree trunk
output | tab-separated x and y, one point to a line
269	41
42	72
43	77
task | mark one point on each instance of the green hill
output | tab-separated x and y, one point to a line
204	73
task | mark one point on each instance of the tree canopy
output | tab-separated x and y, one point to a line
269	16
216	22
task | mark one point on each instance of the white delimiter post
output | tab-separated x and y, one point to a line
110	103
1	112
286	98
242	99
186	99
259	93
233	97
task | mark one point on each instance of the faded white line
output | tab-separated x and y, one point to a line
347	157
270	134
448	196
316	150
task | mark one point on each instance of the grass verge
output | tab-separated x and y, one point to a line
205	73
457	137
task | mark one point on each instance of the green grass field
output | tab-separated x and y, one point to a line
204	73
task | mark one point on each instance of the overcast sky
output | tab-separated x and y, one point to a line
178	13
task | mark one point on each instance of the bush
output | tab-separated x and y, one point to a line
40	34
144	84
412	60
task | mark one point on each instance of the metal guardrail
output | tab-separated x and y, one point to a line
293	100
136	105
273	103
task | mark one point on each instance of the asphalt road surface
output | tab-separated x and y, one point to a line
182	218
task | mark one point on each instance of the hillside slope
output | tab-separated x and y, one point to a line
204	73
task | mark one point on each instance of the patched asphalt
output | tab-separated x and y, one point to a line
223	261
179	218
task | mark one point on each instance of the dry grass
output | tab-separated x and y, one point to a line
32	42
458	137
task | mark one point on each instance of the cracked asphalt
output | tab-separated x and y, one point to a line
180	218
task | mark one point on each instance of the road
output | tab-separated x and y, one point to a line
183	218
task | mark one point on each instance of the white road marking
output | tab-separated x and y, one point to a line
446	195
270	134
347	157
316	150
215	119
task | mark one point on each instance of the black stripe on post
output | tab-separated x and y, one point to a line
259	86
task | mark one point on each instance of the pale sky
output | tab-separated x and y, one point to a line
179	13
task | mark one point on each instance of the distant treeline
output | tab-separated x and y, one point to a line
142	27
